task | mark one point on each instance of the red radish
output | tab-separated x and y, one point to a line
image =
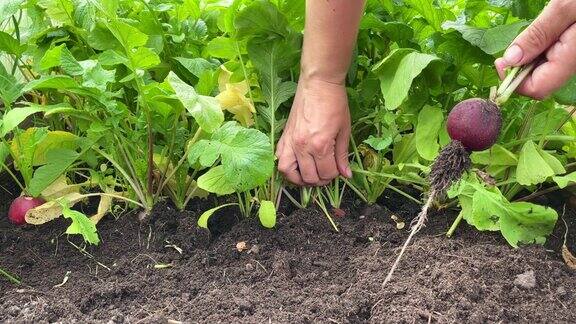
475	123
21	205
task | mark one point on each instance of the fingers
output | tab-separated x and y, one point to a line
501	66
559	67
342	143
288	166
542	33
307	167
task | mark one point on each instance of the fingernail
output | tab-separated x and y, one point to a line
513	54
348	172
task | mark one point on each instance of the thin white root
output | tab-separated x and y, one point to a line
417	225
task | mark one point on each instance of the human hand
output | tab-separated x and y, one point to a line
552	35
313	149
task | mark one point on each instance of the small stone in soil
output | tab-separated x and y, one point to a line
249	267
243	303
255	249
241	246
526	280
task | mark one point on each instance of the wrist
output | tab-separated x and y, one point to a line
318	74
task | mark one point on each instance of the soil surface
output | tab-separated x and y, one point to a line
301	272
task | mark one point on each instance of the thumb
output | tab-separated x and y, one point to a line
542	33
341	151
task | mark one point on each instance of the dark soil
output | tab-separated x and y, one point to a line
300	272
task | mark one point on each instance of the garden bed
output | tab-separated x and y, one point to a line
302	271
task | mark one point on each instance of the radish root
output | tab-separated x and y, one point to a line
416	226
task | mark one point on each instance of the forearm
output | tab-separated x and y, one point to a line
329	38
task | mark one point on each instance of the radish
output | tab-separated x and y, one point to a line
473	125
21	205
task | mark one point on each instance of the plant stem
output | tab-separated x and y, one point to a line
10	277
455	225
512	82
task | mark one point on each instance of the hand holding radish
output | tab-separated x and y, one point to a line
551	36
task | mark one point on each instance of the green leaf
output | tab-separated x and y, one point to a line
60	12
130	37
222	47
97	77
393	30
491	41
203	219
271	59
260	17
10	88
378	143
59	82
4	153
81	224
205	110
567	94
519	222
532	167
552	162
10	45
433	15
429	124
497	155
9	8
112	57
267	214
196	66
565	180
52	57
397	71
528	223
14	117
58	161
246	159
102	39
144	58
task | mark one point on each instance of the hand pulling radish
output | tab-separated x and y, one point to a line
473	125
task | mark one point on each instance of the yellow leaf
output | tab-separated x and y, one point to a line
59	188
103	208
223	78
53	139
51	210
233	98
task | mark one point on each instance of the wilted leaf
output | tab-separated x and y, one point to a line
568	257
59	188
51	209
103	208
